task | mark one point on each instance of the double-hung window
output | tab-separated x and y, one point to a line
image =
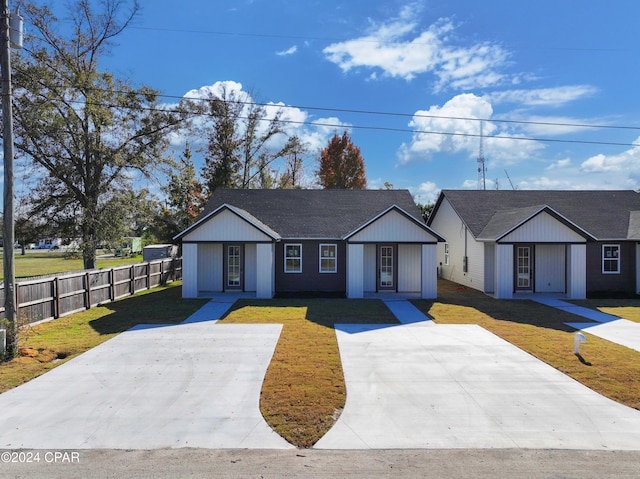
293	258
610	258
446	254
328	258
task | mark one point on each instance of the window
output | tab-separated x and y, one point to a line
610	258
328	258
446	254
293	258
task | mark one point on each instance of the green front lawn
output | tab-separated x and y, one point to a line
38	264
304	391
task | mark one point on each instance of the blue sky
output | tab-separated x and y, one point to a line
550	78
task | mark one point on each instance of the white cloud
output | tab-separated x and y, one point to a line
454	128
557	96
559	164
458	117
400	49
289	51
426	193
626	162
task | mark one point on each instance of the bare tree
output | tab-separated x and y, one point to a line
86	131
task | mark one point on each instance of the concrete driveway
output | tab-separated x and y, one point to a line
188	385
423	385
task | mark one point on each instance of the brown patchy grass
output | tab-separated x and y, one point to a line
62	339
303	391
606	367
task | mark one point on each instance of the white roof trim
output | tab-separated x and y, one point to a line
246	216
403	213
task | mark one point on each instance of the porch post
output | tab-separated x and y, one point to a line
355	271
577	272
264	270
637	268
504	271
429	270
189	270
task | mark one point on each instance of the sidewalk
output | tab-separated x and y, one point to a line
605	326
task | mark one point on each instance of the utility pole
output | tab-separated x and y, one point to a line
8	214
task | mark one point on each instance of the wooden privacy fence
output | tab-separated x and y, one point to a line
51	297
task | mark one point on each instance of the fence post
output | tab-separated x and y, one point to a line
56	297
112	284
87	290
132	275
148	274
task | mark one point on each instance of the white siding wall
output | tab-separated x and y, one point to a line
226	226
355	270
190	271
265	253
543	228
393	228
448	224
549	269
209	267
250	265
504	271
370	273
577	271
409	268
429	274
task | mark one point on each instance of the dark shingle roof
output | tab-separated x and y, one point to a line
603	214
320	214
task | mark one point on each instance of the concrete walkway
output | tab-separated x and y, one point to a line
606	326
422	385
188	385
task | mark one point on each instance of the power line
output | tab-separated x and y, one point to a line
396	130
382	128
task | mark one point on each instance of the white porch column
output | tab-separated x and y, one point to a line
189	270
577	271
637	268
355	271
429	269
504	271
264	270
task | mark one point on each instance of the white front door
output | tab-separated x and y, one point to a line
524	268
233	276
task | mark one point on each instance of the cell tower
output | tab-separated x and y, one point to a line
482	170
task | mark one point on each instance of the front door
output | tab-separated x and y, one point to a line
524	268
233	268
386	268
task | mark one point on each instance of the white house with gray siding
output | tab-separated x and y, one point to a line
572	243
341	242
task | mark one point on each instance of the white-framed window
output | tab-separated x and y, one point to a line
293	258
610	259
446	254
328	258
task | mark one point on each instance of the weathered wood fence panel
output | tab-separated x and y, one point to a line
51	297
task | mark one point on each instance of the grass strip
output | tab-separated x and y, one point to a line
54	342
606	367
303	391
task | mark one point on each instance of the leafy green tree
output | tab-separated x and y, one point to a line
239	131
185	199
86	130
425	209
294	152
342	165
